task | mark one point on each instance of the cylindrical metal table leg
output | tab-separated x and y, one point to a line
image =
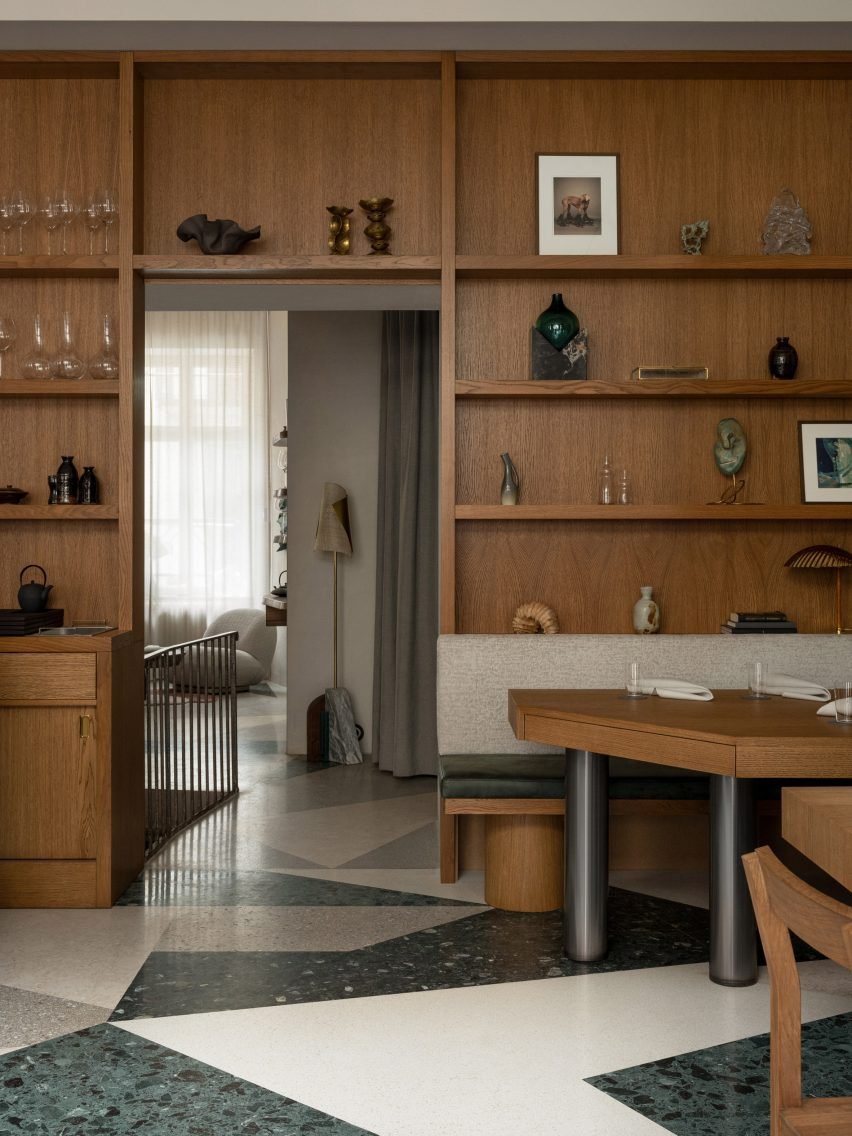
733	948
586	855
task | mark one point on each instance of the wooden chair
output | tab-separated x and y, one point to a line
784	903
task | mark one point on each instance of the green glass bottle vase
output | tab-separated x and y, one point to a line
557	323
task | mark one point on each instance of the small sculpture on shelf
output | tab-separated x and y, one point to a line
88	490
646	612
511	486
535	618
693	235
338	229
786	230
730	453
559	348
377	231
67	482
216	237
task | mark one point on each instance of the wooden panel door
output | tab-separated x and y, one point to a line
47	783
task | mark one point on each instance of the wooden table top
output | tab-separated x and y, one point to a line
732	735
819	823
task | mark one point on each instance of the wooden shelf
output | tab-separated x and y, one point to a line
288	64
252	266
76	266
58	513
658	388
680	266
745	512
58	388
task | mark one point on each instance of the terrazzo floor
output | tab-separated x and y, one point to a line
292	965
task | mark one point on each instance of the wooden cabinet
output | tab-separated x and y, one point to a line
71	781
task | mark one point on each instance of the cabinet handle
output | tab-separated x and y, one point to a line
85	726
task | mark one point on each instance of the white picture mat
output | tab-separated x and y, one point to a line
603	166
810	433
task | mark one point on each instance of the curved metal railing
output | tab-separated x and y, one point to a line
190	733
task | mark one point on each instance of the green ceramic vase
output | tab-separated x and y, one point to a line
557	323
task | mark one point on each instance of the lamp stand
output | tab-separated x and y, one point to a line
838	605
334	618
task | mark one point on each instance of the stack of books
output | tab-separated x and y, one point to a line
758	623
13	621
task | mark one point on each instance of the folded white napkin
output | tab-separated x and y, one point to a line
790	687
828	710
675	688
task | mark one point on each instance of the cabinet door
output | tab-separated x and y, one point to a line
47	783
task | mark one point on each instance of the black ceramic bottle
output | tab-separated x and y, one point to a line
783	359
67	482
88	492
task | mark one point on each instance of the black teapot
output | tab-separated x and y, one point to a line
281	590
33	596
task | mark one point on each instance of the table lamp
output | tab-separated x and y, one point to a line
335	536
825	556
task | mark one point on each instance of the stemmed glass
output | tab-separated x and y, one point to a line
7	221
51	216
22	209
107	203
8	333
68	211
92	220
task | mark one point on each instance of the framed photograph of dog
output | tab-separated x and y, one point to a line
577	204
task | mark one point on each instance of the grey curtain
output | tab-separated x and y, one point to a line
404	727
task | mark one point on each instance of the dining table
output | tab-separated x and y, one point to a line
734	739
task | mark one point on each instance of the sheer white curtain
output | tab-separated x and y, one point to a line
206	481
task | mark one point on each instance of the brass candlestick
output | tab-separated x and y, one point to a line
338	229
377	231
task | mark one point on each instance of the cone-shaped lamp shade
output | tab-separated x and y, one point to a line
333	532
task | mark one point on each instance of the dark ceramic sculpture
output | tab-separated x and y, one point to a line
88	492
216	238
783	359
67	482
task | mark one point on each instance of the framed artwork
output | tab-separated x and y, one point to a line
825	450
577	204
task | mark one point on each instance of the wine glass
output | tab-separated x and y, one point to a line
108	206
8	334
22	208
92	220
7	221
50	215
68	210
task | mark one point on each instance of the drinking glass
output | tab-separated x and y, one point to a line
8	333
7	222
50	216
757	673
633	684
23	210
38	364
104	365
68	210
67	364
107	203
843	703
93	221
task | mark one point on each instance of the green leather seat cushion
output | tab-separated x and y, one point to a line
542	775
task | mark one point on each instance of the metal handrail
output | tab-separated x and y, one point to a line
190	733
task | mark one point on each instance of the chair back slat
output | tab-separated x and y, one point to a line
814	917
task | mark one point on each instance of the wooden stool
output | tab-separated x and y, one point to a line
524	862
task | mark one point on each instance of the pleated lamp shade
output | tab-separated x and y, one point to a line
825	556
333	531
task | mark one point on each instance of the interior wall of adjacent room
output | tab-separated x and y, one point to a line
277	330
333	380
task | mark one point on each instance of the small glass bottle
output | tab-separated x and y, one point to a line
38	364
88	491
67	481
605	487
104	365
68	364
623	497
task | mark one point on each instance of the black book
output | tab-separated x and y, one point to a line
754	629
757	617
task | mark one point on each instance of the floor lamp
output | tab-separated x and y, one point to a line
826	556
334	535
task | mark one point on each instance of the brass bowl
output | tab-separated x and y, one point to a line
376	204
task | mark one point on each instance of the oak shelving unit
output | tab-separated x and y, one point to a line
452	138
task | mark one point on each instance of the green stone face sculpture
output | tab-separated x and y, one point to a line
730	450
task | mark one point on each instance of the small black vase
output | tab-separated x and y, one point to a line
67	482
88	492
783	359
